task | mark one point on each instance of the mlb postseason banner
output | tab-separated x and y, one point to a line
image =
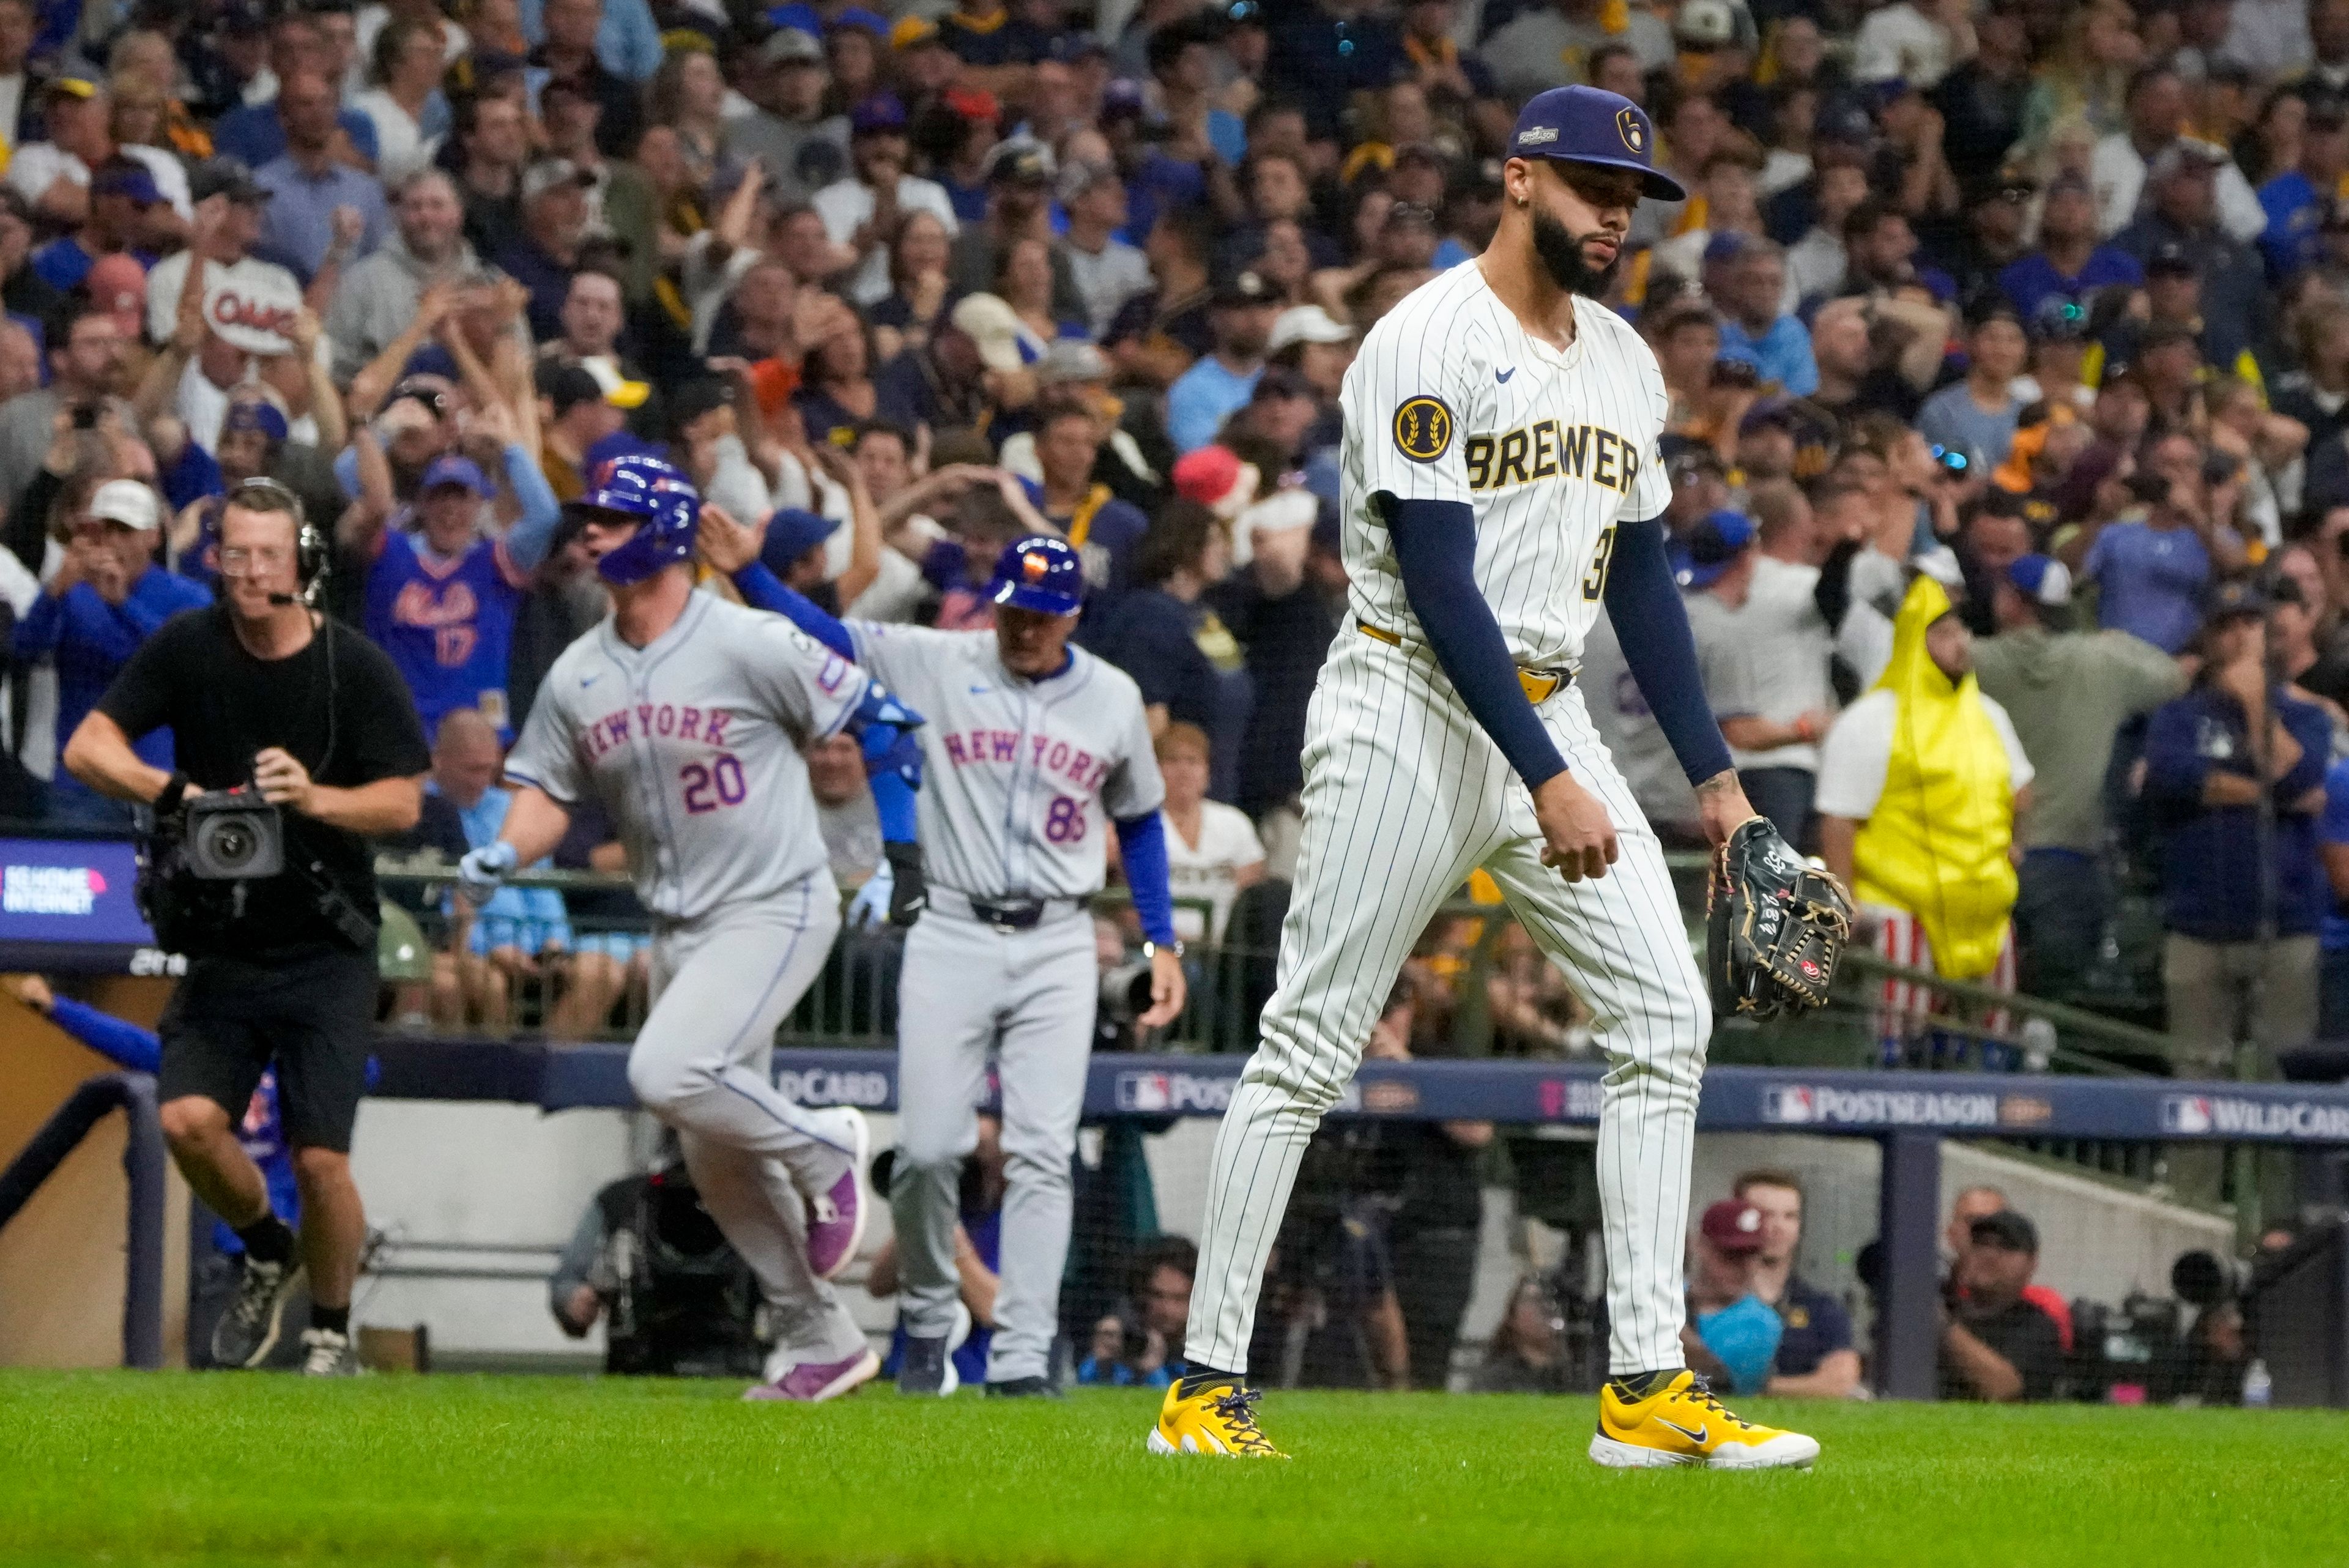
67	904
1736	1099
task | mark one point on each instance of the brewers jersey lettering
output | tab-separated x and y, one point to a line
1021	780
1405	794
1452	400
690	742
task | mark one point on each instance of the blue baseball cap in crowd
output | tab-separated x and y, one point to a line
128	178
870	21
880	112
791	533
1590	125
450	468
2042	579
1711	548
1039	572
256	415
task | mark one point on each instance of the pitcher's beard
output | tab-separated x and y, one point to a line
1561	257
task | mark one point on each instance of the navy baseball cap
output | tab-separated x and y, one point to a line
880	113
1711	548
1588	125
1039	573
129	178
2042	579
793	533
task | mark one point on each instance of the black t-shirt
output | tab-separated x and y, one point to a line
350	723
1183	656
1287	640
2029	1340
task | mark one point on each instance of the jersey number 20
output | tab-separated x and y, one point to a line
720	783
1594	582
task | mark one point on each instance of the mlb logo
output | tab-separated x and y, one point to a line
1789	1103
2186	1113
1144	1092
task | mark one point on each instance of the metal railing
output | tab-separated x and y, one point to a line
1502	999
1971	1027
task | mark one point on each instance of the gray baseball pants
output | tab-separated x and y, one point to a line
703	1064
1030	996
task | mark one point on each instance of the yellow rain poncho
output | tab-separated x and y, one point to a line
1937	843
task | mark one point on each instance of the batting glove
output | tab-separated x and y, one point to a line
868	906
909	892
482	871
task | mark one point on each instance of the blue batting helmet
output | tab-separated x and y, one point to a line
1039	573
663	502
1590	125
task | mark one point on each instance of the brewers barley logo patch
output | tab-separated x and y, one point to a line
1635	135
1422	429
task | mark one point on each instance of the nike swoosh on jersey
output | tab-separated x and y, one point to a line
588	681
1503	376
980	691
1695	1436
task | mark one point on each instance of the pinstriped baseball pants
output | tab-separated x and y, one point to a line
1404	795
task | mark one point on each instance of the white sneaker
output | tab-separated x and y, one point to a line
330	1355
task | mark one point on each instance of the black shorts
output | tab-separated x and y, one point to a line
312	1013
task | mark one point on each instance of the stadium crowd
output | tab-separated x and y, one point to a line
2007	347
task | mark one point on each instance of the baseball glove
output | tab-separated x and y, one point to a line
1776	926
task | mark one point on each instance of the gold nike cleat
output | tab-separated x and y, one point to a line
1219	1419
1683	1424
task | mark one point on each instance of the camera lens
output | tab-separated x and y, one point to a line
233	842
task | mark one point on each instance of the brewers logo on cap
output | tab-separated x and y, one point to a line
1422	429
1635	135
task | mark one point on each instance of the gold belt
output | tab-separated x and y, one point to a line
1540	685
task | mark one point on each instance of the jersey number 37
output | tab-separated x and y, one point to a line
1594	581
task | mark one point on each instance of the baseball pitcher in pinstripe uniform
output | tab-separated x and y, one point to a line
1500	483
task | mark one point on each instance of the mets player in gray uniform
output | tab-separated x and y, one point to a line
1499	483
1032	751
684	716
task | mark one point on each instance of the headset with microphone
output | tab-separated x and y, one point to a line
312	558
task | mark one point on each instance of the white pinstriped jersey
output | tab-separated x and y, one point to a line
692	745
1021	779
1452	400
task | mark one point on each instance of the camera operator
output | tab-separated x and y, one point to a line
264	694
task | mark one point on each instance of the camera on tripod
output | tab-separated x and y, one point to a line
232	834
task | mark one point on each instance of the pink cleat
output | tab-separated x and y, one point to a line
812	1383
835	1217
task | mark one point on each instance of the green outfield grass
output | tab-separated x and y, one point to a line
133	1469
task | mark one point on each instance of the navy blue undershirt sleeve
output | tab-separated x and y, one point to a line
1435	549
1651	625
